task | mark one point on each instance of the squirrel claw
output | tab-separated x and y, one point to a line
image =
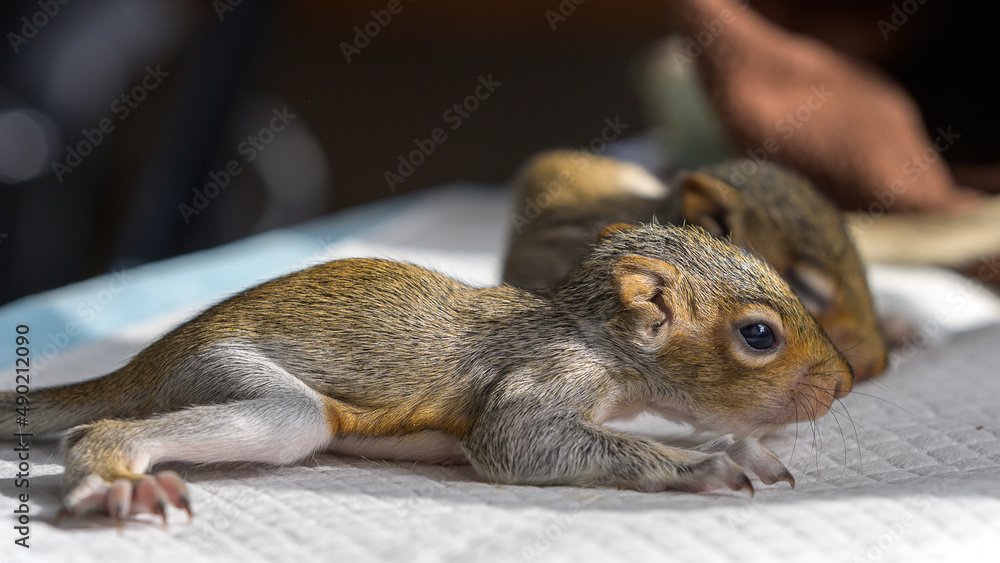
760	461
787	477
718	470
184	503
119	500
175	491
149	494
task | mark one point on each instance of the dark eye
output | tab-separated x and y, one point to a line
758	336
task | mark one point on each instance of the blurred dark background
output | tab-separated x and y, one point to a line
117	117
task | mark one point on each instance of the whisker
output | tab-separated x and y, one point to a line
812	427
817	435
855	424
860	342
883	399
880	385
857	439
842	439
884	386
795	441
817	388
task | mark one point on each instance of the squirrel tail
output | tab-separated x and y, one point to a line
45	411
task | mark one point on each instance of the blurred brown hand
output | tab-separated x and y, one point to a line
793	100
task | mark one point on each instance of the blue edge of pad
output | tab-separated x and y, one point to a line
110	304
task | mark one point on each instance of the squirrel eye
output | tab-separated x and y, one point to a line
758	336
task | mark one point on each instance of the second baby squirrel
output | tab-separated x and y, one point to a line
393	361
564	198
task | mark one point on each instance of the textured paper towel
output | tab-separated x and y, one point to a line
905	469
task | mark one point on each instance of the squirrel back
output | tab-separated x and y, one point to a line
389	360
398	348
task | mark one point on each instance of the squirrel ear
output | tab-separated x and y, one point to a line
643	287
708	203
614	228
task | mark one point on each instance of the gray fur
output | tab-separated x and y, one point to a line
358	350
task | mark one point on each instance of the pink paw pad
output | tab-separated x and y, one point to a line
124	497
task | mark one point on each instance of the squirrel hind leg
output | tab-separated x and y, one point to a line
108	462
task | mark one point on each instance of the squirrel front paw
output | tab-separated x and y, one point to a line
752	456
713	471
124	497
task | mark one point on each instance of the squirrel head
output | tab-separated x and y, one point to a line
781	217
718	335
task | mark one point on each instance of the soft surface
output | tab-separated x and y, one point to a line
905	469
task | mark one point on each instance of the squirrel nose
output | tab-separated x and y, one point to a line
841	391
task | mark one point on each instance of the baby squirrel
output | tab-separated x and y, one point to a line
564	198
393	361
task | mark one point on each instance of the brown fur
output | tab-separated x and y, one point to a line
565	198
357	351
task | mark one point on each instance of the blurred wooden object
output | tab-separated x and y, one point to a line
965	241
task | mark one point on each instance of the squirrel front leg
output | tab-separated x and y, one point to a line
519	447
750	454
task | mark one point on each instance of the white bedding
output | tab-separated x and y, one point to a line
905	470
